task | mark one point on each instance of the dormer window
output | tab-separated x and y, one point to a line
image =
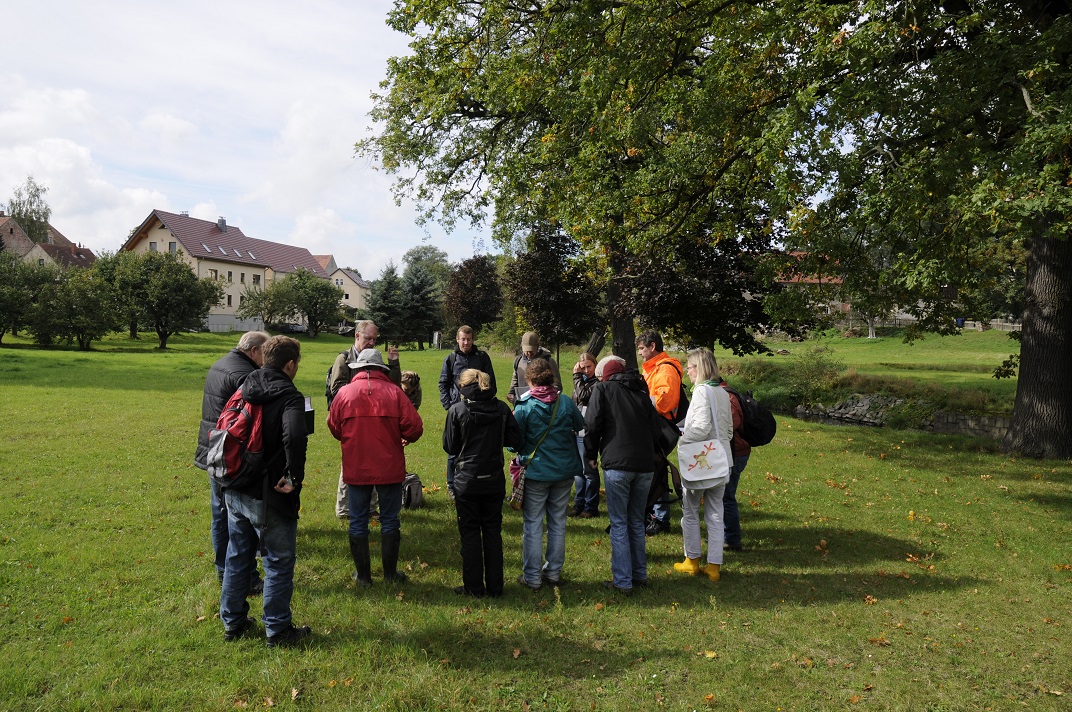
251	256
223	251
207	248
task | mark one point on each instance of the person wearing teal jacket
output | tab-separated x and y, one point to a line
549	422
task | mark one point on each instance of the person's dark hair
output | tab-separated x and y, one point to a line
280	350
539	373
646	337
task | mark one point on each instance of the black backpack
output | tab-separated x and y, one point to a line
412	492
327	379
758	426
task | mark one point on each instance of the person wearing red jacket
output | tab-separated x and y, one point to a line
373	419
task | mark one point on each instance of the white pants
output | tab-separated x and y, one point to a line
690	522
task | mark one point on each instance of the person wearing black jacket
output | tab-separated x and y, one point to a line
268	508
466	356
223	379
478	427
622	429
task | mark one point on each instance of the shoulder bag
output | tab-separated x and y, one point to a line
704	460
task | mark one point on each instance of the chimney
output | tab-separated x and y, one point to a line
222	224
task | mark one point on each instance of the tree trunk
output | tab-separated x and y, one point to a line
133	326
1042	415
622	333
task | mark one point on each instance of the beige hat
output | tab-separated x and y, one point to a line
530	341
369	358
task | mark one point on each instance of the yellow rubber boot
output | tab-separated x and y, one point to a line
712	571
689	566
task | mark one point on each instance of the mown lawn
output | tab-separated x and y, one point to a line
885	570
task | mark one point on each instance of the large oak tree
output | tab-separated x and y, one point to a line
939	129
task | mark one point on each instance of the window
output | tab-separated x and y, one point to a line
207	248
251	256
229	276
173	247
41	261
152	247
213	274
228	300
347	296
256	279
242	277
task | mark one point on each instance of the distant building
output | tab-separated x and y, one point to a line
216	250
355	290
55	250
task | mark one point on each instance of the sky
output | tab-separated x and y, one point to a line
237	109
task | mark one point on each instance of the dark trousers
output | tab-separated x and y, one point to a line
480	527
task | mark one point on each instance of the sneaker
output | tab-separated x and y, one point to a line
624	591
239	631
655	527
291	636
521	580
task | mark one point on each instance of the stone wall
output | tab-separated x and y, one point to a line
987	426
871	410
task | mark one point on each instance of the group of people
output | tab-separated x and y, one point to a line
617	416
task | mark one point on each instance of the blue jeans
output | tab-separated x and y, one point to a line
627	495
451	459
587	485
219	526
544	499
731	512
248	520
390	506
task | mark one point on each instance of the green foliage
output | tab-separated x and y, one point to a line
422	303
21	284
474	296
386	305
77	305
552	290
315	299
30	210
175	299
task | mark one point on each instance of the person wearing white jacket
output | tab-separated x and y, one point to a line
700	426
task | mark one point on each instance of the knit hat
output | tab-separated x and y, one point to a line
608	366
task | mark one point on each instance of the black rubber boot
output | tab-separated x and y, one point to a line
389	555
359	550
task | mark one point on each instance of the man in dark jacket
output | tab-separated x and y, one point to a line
223	379
530	351
267	510
622	429
467	355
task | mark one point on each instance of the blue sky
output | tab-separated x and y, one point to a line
246	110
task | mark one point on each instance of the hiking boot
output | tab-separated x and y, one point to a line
239	631
521	580
624	591
290	636
655	527
587	515
574	512
547	580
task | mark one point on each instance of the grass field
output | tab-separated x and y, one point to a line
885	570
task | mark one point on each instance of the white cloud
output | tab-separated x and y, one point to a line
243	109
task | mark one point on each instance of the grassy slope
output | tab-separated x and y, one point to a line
891	569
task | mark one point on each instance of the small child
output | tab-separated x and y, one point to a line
411	386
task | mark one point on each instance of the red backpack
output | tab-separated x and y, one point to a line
235	446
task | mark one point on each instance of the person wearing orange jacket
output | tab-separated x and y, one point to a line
662	374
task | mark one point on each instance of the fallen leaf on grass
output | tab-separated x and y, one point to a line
854	699
882	641
241	704
517	653
1063	567
709	698
67	619
294	693
599	606
710	654
870	600
200	618
269	702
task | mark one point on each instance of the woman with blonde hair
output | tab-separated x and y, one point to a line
709	418
478	427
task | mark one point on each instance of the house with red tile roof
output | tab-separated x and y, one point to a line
56	249
355	290
220	251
